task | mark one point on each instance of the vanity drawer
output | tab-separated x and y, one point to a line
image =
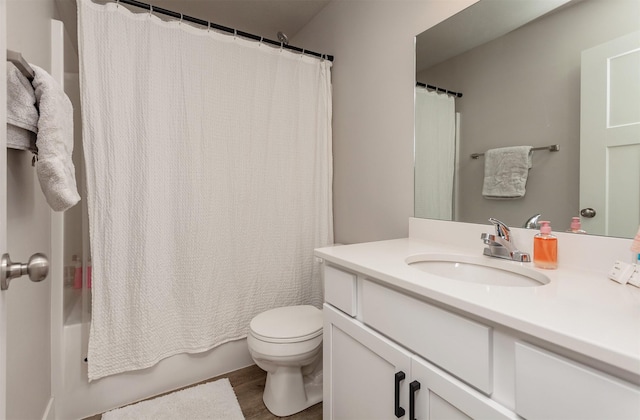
549	386
456	344
340	289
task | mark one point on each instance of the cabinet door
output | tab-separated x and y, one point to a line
441	396
549	386
365	375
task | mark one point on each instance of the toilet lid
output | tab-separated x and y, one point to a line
289	323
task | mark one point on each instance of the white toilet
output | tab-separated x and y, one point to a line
287	343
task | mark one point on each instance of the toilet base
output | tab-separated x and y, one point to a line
287	391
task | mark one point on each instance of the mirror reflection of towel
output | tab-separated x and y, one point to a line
505	172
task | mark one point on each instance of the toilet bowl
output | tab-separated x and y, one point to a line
287	343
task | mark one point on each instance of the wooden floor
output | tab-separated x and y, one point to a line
248	384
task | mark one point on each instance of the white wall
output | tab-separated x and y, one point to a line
29	225
373	85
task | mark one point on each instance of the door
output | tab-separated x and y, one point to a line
3	208
365	375
610	137
25	228
440	396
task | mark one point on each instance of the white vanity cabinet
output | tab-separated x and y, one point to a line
391	354
373	371
367	376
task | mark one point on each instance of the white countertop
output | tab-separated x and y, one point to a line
580	310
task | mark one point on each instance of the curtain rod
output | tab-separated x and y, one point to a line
160	10
448	92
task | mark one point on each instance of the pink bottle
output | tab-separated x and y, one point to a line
89	273
576	226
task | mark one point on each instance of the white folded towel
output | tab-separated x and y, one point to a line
55	169
22	114
505	172
21	139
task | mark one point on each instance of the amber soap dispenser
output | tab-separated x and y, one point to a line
545	248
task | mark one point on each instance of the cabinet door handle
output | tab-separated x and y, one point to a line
413	387
399	411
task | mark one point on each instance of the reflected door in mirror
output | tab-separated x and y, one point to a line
610	136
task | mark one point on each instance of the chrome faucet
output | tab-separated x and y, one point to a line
500	245
533	222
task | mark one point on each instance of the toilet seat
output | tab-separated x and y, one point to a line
289	324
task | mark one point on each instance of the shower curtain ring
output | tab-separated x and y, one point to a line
117	3
208	26
181	17
150	9
260	44
235	32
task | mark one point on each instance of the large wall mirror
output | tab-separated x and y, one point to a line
539	73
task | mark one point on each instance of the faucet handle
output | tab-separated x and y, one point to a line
502	230
521	256
533	222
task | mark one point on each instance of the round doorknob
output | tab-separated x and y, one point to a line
37	268
588	212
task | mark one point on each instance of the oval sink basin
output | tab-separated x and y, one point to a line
483	270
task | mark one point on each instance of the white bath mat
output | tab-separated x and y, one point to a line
213	400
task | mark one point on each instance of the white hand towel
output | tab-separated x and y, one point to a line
505	172
22	114
21	139
55	169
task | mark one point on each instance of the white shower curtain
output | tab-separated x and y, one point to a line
209	183
435	151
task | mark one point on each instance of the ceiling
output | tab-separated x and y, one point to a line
476	25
